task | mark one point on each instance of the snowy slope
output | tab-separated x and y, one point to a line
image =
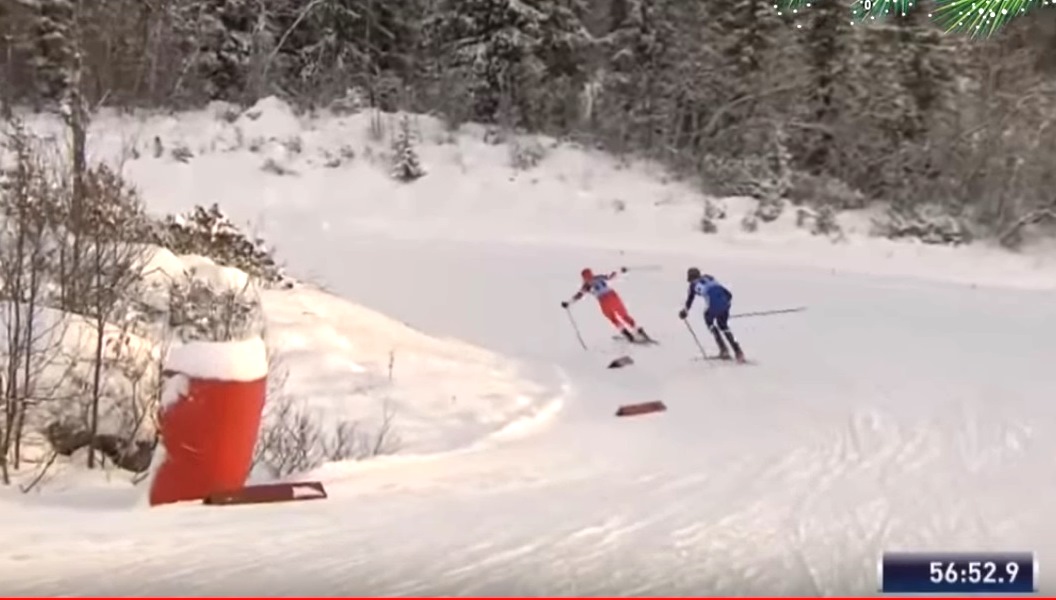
895	413
444	394
338	183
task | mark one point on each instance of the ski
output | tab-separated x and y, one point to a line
719	359
640	342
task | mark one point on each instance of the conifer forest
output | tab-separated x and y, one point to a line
809	106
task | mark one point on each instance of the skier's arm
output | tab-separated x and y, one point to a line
689	303
576	296
615	273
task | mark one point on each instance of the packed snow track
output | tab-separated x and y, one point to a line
892	414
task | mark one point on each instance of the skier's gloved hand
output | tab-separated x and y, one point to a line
564	304
682	314
623	269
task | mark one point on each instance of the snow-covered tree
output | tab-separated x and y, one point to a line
748	31
510	51
211	233
405	164
830	47
330	46
198	311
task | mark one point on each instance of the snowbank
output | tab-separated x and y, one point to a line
341	364
163	267
349	363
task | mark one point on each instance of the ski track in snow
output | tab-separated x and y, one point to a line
884	417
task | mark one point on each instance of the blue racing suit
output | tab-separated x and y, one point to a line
719	300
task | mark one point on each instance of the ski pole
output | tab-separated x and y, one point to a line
575	328
700	346
644	268
762	313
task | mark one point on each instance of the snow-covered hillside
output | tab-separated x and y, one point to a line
335	180
895	412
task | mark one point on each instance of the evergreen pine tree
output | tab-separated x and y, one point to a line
924	67
366	44
748	36
828	44
748	30
57	48
510	51
406	166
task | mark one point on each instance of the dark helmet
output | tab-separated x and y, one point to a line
586	274
692	274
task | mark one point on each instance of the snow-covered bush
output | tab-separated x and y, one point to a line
181	153
128	454
820	222
770	206
73	356
766	178
275	167
198	311
750	222
405	164
708	226
333	161
293	144
495	136
714	210
773	188
815	190
294	439
209	232
751	177
526	153
930	223
1038	219
352	101
724	176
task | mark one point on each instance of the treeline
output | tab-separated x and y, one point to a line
806	108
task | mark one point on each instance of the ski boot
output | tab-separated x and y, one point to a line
724	352
644	337
627	334
738	353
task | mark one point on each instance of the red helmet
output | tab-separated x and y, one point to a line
586	274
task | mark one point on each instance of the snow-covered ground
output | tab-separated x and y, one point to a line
338	184
905	411
339	362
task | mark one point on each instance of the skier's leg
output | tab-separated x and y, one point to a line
632	324
610	308
621	312
709	320
722	320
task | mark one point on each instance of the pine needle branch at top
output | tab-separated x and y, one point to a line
980	18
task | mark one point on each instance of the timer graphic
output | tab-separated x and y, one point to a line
958	572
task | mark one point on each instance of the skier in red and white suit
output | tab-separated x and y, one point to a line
611	303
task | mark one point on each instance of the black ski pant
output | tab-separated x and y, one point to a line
719	326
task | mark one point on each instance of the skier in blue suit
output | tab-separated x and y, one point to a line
717	315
